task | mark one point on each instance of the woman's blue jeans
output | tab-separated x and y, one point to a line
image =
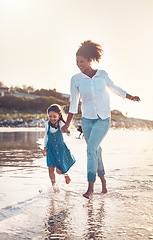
94	131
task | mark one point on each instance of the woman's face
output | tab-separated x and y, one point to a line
83	63
53	117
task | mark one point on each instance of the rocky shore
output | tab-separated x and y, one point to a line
116	122
125	122
132	123
20	122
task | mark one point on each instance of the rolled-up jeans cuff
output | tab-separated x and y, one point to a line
91	177
101	172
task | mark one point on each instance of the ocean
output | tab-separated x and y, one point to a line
29	208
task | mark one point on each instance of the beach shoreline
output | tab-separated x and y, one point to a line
31	210
22	129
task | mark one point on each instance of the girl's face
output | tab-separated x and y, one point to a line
53	117
83	63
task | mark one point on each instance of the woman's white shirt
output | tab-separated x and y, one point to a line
93	94
52	130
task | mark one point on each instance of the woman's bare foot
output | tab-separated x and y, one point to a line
67	178
104	189
88	194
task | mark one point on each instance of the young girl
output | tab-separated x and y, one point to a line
57	154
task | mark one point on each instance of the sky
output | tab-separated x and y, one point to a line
39	40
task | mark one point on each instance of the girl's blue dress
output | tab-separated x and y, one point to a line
58	154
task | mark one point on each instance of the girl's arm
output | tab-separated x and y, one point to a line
45	151
45	139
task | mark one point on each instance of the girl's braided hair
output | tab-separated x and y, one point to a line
56	108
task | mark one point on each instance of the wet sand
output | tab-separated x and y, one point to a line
29	209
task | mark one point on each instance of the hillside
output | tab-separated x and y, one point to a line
15	110
14	104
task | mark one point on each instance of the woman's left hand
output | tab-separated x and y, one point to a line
133	98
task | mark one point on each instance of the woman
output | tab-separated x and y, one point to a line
90	86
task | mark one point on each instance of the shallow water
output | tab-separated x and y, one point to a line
29	209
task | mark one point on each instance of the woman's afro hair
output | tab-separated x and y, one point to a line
90	50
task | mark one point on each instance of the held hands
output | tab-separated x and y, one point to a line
64	129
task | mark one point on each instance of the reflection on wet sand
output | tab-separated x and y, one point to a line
25	137
74	217
57	225
19	149
95	221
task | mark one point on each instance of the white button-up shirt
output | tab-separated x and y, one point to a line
93	94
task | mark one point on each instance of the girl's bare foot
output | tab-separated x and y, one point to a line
88	194
67	178
56	188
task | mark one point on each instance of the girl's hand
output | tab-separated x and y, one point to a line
68	132
45	151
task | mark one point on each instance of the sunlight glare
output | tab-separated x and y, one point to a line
15	6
